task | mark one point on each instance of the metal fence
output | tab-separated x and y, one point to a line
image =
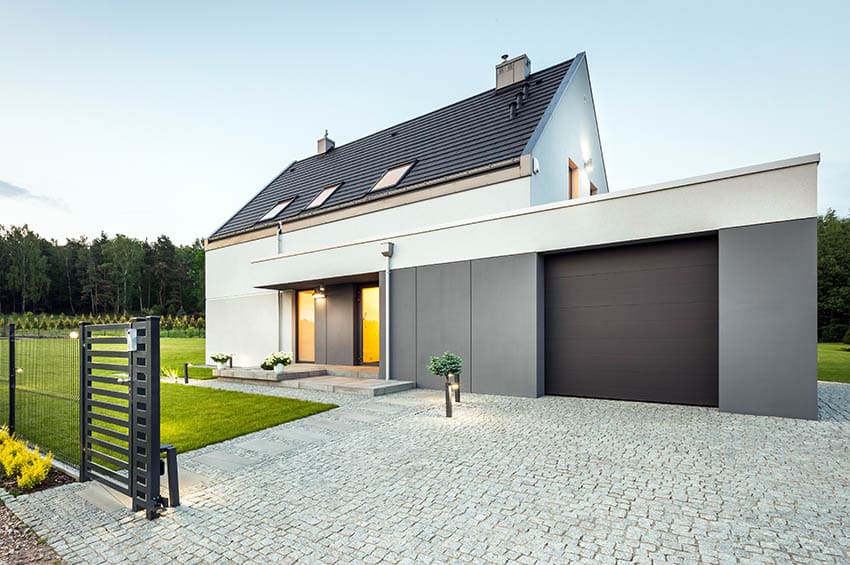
39	392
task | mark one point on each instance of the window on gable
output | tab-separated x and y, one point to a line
277	209
593	189
574	180
324	195
392	177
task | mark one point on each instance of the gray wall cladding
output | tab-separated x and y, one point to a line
485	310
768	319
504	325
443	305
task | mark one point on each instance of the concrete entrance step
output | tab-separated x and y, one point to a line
349	385
298	371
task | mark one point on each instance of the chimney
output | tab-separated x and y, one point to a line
512	71
325	143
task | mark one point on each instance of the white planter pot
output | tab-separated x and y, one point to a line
220	366
279	368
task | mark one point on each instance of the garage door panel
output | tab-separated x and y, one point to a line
634	322
640	278
657	353
697	312
640	257
635	328
634	385
659	290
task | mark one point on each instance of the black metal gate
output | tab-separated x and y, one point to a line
120	410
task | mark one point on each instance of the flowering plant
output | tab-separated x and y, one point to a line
220	357
276	358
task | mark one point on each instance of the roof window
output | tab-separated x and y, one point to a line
277	209
324	195
393	176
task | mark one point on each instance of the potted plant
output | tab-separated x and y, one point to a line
220	359
277	361
448	366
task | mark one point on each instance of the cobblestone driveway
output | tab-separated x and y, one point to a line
551	480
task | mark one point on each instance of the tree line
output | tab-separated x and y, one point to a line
105	275
122	275
833	276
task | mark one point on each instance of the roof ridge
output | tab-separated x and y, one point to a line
440	109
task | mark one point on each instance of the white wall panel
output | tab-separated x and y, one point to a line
762	195
501	197
245	326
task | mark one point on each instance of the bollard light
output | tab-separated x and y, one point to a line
448	397
186	372
74	335
455	378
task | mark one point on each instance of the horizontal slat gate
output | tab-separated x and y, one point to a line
119	412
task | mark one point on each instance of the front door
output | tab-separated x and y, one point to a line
306	330
370	325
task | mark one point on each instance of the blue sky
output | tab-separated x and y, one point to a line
154	117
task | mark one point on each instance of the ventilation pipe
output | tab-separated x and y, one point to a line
387	251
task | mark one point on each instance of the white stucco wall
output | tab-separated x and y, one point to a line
500	197
251	322
241	319
569	133
763	194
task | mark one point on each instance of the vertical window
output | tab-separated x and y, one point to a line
370	328
306	326
574	180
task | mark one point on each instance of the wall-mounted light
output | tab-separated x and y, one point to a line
319	293
535	166
588	165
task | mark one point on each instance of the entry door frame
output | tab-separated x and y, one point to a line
358	322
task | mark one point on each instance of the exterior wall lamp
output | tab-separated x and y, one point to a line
588	165
319	293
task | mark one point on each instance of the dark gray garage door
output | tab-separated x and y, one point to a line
637	322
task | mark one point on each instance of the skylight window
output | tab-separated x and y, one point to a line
324	195
277	209
392	177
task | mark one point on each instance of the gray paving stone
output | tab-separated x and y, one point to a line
547	480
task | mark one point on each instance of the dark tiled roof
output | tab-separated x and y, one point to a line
466	135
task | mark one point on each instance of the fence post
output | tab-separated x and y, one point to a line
12	377
83	402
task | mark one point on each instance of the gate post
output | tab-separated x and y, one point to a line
84	405
12	377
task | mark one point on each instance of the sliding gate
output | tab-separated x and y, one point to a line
119	410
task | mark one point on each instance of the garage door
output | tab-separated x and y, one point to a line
637	322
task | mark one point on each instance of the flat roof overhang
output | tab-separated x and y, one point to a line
362	278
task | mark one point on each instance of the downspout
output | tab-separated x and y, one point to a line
387	251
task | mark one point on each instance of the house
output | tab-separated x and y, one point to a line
491	225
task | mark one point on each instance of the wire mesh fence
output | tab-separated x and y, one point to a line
46	393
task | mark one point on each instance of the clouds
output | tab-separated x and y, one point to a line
9	190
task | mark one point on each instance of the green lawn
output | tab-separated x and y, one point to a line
192	417
834	362
174	351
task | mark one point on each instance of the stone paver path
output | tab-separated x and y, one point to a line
389	479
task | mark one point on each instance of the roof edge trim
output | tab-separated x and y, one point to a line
227	221
373	196
553	103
